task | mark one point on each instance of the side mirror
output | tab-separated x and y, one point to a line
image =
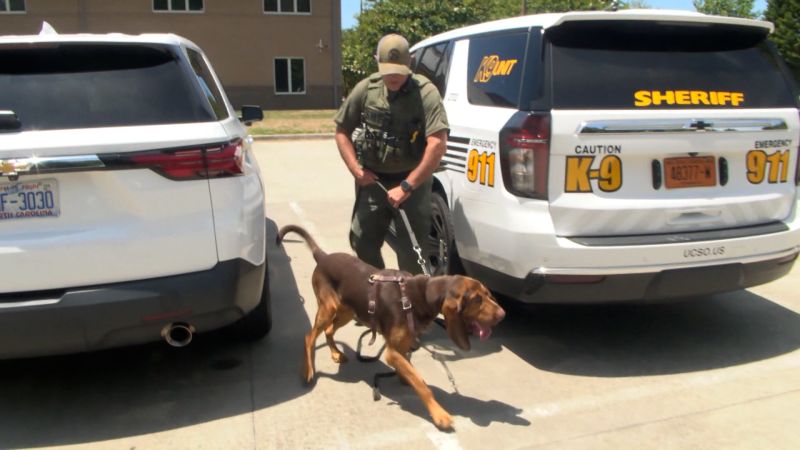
250	114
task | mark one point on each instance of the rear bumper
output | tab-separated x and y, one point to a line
649	286
98	317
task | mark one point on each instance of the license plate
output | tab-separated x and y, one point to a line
694	171
29	199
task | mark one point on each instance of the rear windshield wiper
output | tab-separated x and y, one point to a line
9	121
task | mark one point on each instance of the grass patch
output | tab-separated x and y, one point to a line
308	121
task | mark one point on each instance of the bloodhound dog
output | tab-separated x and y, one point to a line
348	288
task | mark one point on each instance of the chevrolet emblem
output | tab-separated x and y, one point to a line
7	167
10	168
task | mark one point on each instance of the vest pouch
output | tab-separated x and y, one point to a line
375	140
377	118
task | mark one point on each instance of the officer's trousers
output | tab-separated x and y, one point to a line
372	214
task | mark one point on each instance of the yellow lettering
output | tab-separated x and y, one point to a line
577	178
642	98
718	98
660	97
504	67
699	97
486	68
610	174
682	98
492	66
511	64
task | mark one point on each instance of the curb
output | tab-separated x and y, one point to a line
275	137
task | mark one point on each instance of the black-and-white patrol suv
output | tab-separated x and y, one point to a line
131	206
601	156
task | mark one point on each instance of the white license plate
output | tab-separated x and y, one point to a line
29	199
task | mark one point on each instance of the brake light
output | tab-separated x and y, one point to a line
525	154
225	161
191	164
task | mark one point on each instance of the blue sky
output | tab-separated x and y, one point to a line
350	8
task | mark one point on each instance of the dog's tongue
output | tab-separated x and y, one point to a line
482	332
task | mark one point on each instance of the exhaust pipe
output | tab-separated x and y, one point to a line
178	334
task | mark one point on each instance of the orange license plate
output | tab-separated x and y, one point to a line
695	171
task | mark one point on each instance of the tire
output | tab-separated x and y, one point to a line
258	322
440	245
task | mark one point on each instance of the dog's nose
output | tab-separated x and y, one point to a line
500	314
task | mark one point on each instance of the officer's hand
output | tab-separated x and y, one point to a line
397	196
365	177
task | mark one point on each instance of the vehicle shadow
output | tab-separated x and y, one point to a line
133	391
650	339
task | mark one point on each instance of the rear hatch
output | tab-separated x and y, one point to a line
666	127
101	150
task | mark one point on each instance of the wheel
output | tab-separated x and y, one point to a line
258	322
441	243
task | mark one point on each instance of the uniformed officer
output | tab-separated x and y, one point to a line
402	138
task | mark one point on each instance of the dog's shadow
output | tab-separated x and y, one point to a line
481	412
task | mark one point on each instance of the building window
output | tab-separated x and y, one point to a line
178	5
12	6
290	76
287	6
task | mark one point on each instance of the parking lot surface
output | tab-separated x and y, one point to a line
714	372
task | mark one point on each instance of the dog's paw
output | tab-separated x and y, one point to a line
339	358
307	375
443	420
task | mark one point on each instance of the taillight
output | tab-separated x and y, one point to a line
187	164
525	154
225	161
177	165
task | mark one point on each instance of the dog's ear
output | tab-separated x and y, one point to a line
451	309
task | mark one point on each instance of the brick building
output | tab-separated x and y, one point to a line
280	54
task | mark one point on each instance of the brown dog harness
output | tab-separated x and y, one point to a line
376	280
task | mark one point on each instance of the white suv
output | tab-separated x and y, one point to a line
131	207
602	156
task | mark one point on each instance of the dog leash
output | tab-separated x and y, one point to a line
375	279
414	243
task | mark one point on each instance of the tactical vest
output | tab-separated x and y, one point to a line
393	137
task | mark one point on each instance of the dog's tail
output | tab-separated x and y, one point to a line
312	244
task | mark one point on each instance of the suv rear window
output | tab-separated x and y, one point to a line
494	70
63	86
657	65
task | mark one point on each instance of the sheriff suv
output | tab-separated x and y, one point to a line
604	156
131	206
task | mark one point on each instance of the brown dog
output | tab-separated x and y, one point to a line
342	286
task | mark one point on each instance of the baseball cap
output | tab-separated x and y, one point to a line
393	56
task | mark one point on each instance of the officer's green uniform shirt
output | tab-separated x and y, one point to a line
404	106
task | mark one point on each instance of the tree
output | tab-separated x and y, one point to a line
785	14
549	6
732	8
419	20
414	20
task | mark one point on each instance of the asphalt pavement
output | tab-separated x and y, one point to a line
715	372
